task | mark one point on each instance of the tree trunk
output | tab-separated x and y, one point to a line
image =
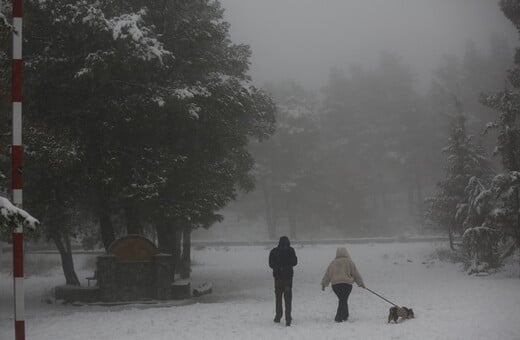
165	242
270	211
163	238
176	234
292	217
517	208
411	205
450	237
292	226
419	190
108	234
517	194
186	253
133	221
67	263
307	220
419	194
379	193
169	237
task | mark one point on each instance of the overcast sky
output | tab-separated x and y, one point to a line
303	39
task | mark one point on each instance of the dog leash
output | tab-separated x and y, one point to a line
371	291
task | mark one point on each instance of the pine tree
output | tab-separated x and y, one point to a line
465	160
507	103
481	237
153	99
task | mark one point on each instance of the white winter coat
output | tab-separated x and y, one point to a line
342	270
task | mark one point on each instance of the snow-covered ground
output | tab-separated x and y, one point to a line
448	303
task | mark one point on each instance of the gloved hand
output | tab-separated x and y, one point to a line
362	285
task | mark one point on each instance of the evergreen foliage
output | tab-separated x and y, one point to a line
375	131
134	108
286	163
507	102
464	161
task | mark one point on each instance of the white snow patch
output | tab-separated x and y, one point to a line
159	100
191	92
194	111
82	72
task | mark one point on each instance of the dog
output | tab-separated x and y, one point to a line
400	312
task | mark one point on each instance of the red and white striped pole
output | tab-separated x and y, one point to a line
16	170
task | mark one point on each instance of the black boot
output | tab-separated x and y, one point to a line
277	319
288	321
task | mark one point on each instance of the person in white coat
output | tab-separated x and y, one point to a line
342	273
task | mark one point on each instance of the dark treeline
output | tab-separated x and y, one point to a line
364	153
369	154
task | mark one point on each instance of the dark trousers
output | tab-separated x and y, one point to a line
283	288
342	291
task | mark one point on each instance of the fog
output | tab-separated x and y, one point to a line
303	39
366	94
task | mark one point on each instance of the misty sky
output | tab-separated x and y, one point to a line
303	39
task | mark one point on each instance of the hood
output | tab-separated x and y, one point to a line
284	242
342	252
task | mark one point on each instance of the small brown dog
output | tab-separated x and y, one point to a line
400	312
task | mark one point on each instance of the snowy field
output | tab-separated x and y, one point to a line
448	303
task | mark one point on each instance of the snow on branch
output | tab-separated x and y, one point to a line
505	183
11	215
131	26
127	26
4	9
3	19
190	92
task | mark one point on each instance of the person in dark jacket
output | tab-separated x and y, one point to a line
282	259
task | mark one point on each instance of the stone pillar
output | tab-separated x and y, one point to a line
106	280
163	276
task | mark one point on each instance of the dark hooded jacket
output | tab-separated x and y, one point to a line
282	259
